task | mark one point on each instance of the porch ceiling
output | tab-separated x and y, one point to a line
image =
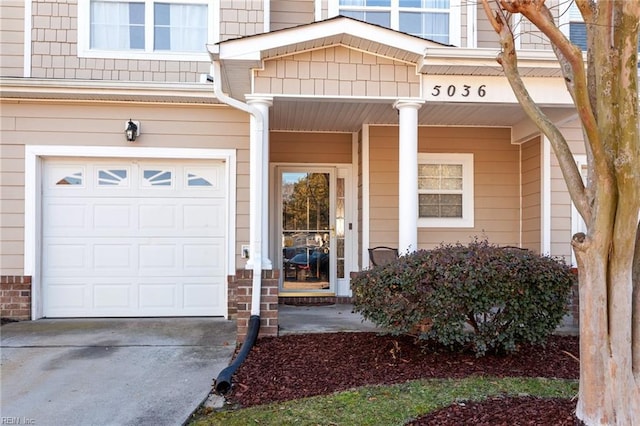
341	116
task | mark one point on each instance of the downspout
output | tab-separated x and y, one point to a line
223	381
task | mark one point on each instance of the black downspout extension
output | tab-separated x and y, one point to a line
223	382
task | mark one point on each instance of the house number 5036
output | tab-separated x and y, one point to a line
465	90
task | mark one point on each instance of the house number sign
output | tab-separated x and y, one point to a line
464	90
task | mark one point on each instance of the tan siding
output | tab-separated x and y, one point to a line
463	26
531	195
55	48
486	35
383	186
292	147
337	71
530	37
11	38
241	18
11	205
87	124
289	13
497	205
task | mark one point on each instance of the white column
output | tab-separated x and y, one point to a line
261	171
408	175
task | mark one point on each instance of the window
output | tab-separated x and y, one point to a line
577	29
141	29
445	190
436	20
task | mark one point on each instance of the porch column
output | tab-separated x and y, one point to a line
259	177
408	175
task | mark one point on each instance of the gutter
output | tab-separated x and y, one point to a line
223	381
256	254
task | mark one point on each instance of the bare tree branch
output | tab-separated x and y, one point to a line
509	61
586	8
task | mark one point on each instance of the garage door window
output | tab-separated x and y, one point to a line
69	177
155	177
113	177
198	179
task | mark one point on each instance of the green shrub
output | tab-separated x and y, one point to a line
480	297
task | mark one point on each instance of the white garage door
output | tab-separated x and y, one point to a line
133	238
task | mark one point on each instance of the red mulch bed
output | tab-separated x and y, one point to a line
298	366
521	411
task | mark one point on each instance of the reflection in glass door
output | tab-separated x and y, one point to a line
307	230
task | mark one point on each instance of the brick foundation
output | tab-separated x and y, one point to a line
240	291
15	297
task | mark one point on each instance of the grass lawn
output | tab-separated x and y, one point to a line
387	405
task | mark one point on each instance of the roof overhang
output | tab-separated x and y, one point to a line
114	91
482	61
339	30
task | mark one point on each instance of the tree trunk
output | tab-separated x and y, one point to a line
606	99
609	393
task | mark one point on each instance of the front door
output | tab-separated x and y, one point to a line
307	252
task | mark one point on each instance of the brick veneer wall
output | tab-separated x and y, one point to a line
241	289
15	297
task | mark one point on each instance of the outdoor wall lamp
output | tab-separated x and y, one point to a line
132	130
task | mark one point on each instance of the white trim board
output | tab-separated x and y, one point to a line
33	195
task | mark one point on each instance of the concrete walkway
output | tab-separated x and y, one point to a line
321	319
335	318
110	371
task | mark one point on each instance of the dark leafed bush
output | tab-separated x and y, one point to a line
480	297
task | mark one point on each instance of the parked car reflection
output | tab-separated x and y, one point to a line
308	265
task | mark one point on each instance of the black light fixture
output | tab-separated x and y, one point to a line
132	131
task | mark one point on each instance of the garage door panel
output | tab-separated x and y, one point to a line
154	217
66	296
114	297
207	218
205	259
114	256
64	218
158	256
203	295
113	217
134	238
64	258
154	295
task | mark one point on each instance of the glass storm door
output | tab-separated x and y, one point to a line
307	230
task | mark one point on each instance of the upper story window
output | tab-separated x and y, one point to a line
574	27
144	29
436	20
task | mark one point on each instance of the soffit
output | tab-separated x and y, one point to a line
341	116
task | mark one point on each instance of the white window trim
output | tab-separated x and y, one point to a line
467	219
455	18
84	30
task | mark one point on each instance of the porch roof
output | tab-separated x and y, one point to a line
239	57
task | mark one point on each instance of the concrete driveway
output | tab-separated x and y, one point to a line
110	371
